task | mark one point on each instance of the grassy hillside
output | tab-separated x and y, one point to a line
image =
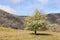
11	34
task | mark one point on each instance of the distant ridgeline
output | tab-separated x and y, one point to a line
16	22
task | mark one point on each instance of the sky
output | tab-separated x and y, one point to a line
27	7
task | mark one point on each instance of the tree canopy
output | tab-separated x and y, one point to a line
36	21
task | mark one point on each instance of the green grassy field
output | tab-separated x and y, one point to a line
12	34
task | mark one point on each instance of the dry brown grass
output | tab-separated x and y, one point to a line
11	34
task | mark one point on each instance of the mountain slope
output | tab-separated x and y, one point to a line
54	18
14	21
10	20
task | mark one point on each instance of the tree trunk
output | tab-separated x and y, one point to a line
35	32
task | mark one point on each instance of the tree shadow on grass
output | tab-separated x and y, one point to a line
43	34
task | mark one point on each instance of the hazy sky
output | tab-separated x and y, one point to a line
27	7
